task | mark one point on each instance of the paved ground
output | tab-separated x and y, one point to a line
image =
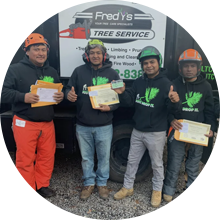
67	182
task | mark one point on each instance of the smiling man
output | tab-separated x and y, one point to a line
94	126
153	97
33	128
37	54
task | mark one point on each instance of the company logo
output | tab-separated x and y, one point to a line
111	23
150	94
191	100
85	89
47	79
99	80
121	15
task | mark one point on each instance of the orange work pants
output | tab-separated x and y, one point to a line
36	145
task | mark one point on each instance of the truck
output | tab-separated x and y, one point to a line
125	28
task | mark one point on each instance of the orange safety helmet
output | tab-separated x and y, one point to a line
190	55
35	38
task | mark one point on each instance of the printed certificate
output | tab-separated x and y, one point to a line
193	132
102	94
45	91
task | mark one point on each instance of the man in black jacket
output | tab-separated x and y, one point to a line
197	105
33	128
154	97
94	126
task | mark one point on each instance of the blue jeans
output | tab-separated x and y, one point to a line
93	139
176	153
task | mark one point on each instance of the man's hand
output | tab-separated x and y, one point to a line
173	96
210	134
31	98
58	96
120	90
72	97
103	108
176	124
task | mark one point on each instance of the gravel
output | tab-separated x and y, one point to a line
66	181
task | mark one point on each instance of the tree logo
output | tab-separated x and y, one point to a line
99	81
193	98
47	79
150	94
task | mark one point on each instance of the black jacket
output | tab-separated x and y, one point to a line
216	106
83	77
17	83
151	100
197	101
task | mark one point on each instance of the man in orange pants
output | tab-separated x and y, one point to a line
33	128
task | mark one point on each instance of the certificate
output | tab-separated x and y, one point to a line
193	132
46	95
45	91
102	94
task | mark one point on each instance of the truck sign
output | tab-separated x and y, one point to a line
124	27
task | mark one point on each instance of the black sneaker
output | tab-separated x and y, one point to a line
46	192
32	201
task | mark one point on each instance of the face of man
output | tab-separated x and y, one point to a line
96	57
151	67
190	70
37	54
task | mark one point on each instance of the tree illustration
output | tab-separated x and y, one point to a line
47	79
151	93
193	98
99	81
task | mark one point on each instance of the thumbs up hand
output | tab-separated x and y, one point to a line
72	96
173	96
171	88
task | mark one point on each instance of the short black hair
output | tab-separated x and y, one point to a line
28	48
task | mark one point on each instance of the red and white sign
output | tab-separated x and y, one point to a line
124	27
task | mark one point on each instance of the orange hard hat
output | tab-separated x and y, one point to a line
35	38
190	55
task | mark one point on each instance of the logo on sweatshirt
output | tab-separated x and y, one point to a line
85	90
192	99
150	94
96	81
47	79
99	80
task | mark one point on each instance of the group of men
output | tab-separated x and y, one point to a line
158	103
